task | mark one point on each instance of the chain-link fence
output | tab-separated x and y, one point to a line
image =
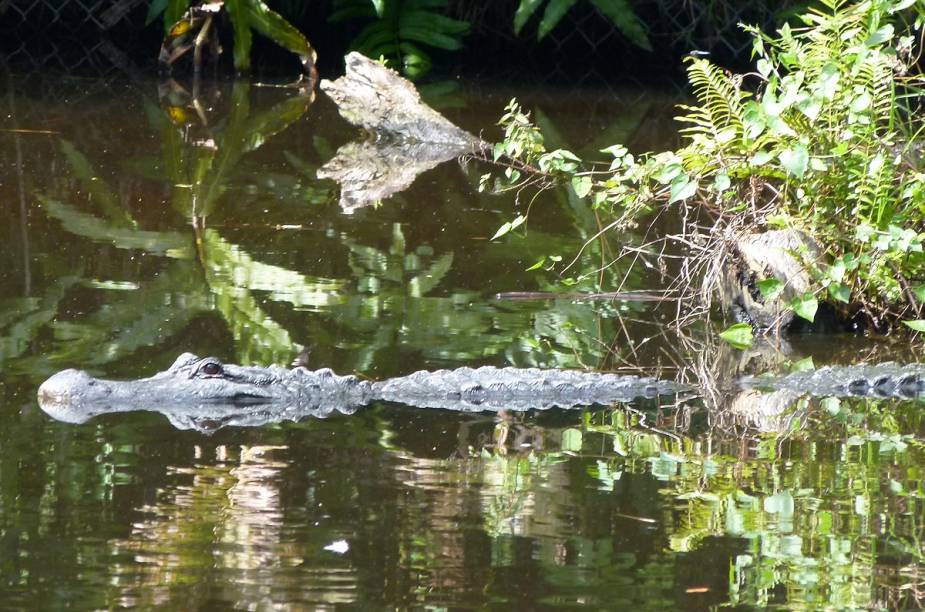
67	35
674	26
102	14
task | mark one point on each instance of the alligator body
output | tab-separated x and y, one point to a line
864	380
204	393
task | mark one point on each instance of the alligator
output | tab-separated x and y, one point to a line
884	380
204	393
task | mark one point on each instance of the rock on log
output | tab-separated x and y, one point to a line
375	98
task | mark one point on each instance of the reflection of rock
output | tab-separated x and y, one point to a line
375	98
372	171
778	254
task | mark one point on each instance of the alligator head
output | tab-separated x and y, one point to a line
196	385
189	379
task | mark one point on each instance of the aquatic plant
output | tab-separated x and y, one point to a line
822	137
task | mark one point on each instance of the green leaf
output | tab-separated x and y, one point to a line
379	5
811	107
832	405
780	127
861	103
919	292
571	440
275	27
879	37
582	185
669	172
738	336
795	160
837	270
805	306
724	136
918	325
840	292
721	183
434	38
539	264
864	233
524	11
770	288
502	230
243	38
780	221
682	188
555	11
508	226
154	9
803	365
616	150
627	21
760	158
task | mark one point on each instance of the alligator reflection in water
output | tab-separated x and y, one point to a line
205	394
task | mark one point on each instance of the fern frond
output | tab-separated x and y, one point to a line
719	97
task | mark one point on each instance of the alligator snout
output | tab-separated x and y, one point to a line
67	386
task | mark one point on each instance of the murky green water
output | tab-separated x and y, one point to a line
702	502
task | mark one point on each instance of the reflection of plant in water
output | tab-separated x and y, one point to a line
406	270
806	510
509	482
227	276
21	318
200	175
835	521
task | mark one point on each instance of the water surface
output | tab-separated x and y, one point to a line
137	224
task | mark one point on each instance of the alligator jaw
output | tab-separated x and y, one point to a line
61	389
72	395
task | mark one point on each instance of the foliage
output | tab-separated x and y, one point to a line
827	142
245	15
397	29
619	12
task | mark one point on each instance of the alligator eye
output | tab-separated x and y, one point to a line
210	368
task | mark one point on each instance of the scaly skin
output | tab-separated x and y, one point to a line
194	392
880	380
206	394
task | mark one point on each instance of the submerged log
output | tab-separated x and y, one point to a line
777	254
377	99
